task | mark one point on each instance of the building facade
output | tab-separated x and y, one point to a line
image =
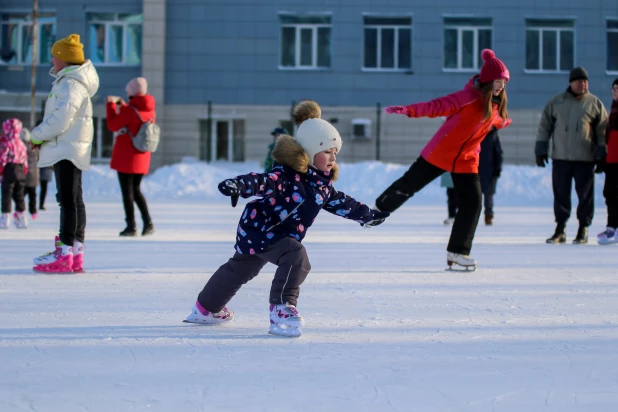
225	73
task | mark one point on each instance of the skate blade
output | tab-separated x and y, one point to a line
52	273
289	332
461	269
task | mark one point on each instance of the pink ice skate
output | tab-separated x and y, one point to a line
78	257
59	261
285	321
203	316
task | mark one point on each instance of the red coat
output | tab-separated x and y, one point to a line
125	158
456	145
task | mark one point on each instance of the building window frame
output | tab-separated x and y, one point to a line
322	21
109	21
611	21
550	25
371	21
22	23
464	24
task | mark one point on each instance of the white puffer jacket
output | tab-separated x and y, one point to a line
67	129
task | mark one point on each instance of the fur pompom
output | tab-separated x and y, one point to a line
305	109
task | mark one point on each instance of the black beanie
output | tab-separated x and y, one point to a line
578	73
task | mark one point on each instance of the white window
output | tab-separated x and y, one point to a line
612	45
550	45
305	41
464	40
16	37
387	43
115	38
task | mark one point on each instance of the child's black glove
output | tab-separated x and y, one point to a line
377	218
230	188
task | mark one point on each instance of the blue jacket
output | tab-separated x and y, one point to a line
291	196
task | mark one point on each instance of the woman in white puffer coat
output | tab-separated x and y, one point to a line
65	137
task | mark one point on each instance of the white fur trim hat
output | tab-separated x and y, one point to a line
315	135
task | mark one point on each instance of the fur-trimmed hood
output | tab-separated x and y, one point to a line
288	152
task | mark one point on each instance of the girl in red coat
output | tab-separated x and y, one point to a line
455	148
125	120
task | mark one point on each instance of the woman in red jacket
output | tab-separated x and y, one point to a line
471	113
125	120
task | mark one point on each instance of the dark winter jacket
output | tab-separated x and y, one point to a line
268	162
490	162
611	134
46	174
291	196
32	178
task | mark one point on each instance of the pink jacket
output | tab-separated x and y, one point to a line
12	149
455	147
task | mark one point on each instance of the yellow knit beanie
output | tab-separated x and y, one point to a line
69	49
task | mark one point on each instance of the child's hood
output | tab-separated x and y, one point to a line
11	129
288	152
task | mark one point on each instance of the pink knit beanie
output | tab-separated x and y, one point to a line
493	68
137	86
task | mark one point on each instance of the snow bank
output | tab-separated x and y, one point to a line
518	185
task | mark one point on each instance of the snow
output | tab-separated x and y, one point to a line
517	186
387	329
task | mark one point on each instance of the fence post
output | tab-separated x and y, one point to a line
378	124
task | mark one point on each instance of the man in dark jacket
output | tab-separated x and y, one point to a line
268	163
576	119
490	167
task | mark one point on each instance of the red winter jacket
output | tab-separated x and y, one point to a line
455	147
125	157
611	134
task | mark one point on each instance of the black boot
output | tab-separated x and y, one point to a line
130	230
149	229
582	236
559	235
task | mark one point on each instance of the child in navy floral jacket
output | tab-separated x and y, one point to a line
272	227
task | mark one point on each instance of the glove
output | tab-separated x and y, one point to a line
230	188
377	218
542	160
600	168
397	110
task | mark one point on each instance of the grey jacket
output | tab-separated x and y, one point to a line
577	126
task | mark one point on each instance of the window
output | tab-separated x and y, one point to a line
16	38
115	38
464	40
305	41
388	43
550	45
612	45
103	140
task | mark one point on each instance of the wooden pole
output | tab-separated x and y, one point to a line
35	8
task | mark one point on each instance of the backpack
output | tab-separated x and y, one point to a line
148	135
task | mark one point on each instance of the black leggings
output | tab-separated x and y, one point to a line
131	192
71	201
13	187
467	189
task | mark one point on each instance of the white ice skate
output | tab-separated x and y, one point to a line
449	221
285	321
20	220
608	237
204	317
458	262
5	220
